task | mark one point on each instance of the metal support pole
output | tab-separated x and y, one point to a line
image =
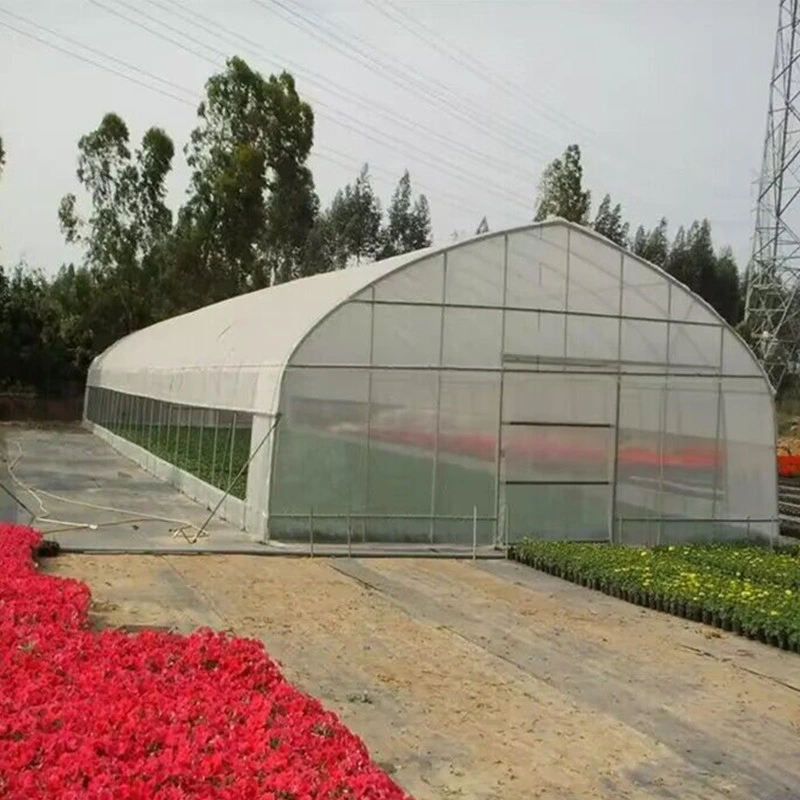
230	453
349	533
715	489
615	450
200	443
178	410
214	448
432	528
168	432
368	468
662	432
311	529
474	532
498	532
150	427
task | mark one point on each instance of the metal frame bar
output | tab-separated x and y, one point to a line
499	451
520	369
532	310
232	442
431	532
718	426
371	369
662	433
535	424
214	450
558	483
615	447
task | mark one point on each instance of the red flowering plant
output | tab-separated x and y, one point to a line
154	716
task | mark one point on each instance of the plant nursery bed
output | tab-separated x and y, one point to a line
153	715
747	589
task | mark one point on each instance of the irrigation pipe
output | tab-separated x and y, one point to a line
137	515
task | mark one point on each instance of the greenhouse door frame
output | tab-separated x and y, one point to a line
506	426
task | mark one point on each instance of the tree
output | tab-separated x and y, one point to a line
407	227
129	221
561	192
252	203
608	222
2	156
355	221
729	295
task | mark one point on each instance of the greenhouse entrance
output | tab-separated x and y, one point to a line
557	470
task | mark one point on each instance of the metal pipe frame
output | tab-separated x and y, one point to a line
431	532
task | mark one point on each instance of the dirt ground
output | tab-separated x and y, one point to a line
489	680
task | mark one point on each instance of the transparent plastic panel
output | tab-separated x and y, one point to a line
569	513
748	447
406	335
402	443
472	337
694	347
592	338
320	455
475	273
557	453
466	470
419	283
736	356
531	334
594	275
645	291
536	271
691	482
686	308
644	343
639	460
532	397
343	338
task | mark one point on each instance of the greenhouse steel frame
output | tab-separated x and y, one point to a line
537	381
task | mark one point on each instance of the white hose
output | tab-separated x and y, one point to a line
137	515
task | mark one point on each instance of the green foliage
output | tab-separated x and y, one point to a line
609	223
355	221
129	222
252	203
561	192
749	589
215	455
408	224
33	353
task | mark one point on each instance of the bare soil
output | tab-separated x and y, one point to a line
490	680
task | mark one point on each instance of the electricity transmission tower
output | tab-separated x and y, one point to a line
772	310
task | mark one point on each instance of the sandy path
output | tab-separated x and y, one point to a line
492	681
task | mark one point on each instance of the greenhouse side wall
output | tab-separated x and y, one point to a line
201	451
539	383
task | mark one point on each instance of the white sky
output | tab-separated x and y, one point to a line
667	99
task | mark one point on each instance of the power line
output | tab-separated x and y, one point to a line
94	63
419	86
97	52
359	127
329	156
317	79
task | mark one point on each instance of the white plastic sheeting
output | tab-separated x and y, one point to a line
536	381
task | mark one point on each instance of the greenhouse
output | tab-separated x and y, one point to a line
538	381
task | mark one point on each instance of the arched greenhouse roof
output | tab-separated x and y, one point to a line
232	354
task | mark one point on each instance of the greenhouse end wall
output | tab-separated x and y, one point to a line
542	382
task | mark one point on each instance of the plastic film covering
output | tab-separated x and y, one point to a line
539	381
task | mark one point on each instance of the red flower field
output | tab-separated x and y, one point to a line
153	716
